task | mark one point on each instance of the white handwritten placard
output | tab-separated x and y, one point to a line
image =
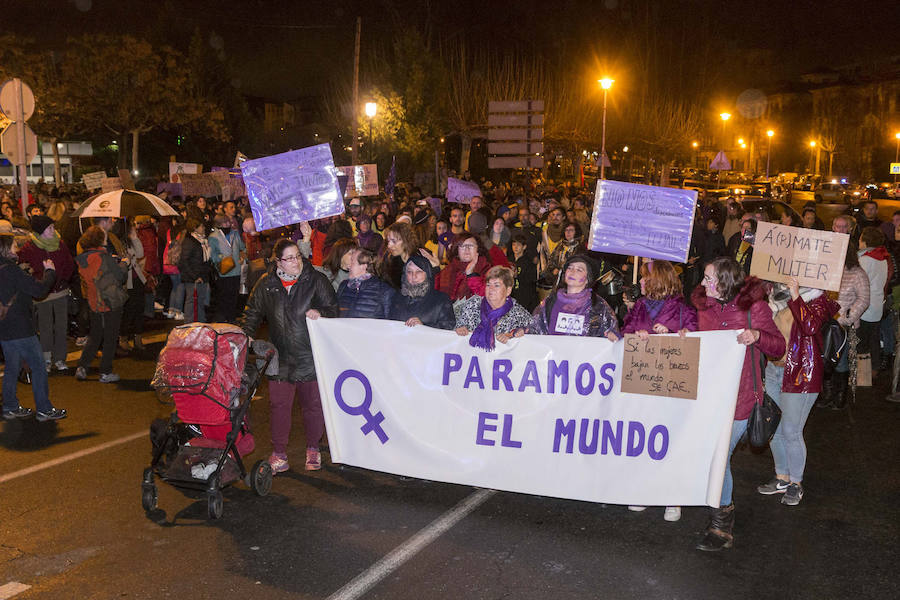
815	258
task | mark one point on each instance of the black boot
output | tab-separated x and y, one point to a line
718	535
887	362
826	396
842	381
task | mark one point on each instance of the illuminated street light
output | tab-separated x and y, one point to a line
370	109
370	112
814	146
605	83
625	149
724	116
741	142
769	133
694	144
897	152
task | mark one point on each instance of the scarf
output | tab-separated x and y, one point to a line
654	307
415	291
555	232
204	244
354	282
48	245
576	304
879	253
483	336
287	281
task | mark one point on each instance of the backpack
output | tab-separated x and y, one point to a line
834	344
172	253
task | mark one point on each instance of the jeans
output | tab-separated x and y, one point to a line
105	332
737	432
176	296
29	350
202	300
787	445
53	325
281	403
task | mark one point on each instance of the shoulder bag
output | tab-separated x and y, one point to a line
766	415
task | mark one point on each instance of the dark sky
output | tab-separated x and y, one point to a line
292	48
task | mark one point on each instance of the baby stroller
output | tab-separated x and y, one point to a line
205	368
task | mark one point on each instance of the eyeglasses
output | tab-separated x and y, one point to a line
468	247
293	258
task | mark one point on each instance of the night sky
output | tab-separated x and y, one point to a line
285	49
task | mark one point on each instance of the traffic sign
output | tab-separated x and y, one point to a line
515	162
9	143
895	168
516	134
8	100
516	148
523	120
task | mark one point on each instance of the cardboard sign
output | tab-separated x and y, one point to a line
110	184
661	365
176	169
288	188
199	184
461	191
358	180
642	220
93	181
126	179
815	258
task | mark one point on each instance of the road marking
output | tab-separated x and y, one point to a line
11	589
384	567
68	457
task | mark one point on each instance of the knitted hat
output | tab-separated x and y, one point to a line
39	223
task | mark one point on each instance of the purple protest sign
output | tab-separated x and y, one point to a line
296	186
642	220
461	191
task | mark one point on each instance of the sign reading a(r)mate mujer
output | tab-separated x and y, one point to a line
815	258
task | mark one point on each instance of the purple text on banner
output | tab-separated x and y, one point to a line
295	186
461	191
642	220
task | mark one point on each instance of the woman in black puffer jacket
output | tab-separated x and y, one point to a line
418	303
363	295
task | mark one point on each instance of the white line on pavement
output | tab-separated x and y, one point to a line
11	589
384	567
73	456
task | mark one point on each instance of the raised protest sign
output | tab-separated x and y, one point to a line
110	184
461	191
815	258
642	220
296	186
199	184
539	415
93	181
176	169
358	180
661	365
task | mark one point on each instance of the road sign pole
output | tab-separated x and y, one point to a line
19	117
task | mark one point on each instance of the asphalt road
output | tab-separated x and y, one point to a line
76	529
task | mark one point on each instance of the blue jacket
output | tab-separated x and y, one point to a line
371	301
221	246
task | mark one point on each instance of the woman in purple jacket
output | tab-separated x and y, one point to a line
661	309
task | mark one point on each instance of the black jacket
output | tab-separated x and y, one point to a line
286	315
434	309
525	287
371	301
17	289
191	264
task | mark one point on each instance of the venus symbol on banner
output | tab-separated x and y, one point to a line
373	422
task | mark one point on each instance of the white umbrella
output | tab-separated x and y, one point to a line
124	203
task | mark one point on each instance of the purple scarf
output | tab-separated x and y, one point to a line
576	304
483	336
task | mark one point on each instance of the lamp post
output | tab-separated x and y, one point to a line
897	153
724	116
605	83
371	107
695	145
814	146
769	134
622	163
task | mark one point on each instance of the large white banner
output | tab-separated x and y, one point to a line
540	415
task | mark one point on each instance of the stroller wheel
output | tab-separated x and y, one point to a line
149	497
261	478
214	504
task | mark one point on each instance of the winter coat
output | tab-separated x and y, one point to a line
525	287
599	318
434	309
470	317
676	314
147	234
713	315
286	315
874	262
221	246
102	280
803	369
853	296
191	265
371	301
454	281
34	256
17	288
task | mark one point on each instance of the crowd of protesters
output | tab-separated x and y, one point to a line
512	262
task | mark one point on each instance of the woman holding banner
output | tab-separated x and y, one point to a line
728	300
495	316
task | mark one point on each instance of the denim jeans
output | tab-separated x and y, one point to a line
787	445
28	350
737	431
176	296
202	301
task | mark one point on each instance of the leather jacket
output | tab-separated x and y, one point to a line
803	369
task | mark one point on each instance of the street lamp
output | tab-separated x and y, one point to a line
814	146
370	112
695	145
724	116
897	153
769	133
605	83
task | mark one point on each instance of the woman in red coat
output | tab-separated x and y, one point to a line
794	384
464	276
727	300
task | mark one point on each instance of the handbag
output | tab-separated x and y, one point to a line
226	264
766	415
834	344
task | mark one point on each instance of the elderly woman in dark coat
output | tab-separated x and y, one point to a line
363	295
418	303
495	316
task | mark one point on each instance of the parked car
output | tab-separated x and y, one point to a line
833	193
772	210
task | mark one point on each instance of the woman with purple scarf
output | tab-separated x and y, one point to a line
366	238
494	317
572	308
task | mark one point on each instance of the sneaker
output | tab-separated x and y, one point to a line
157	306
793	494
179	316
313	459
54	414
776	486
279	463
673	513
109	378
169	313
637	508
61	366
17	413
80	374
81	341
